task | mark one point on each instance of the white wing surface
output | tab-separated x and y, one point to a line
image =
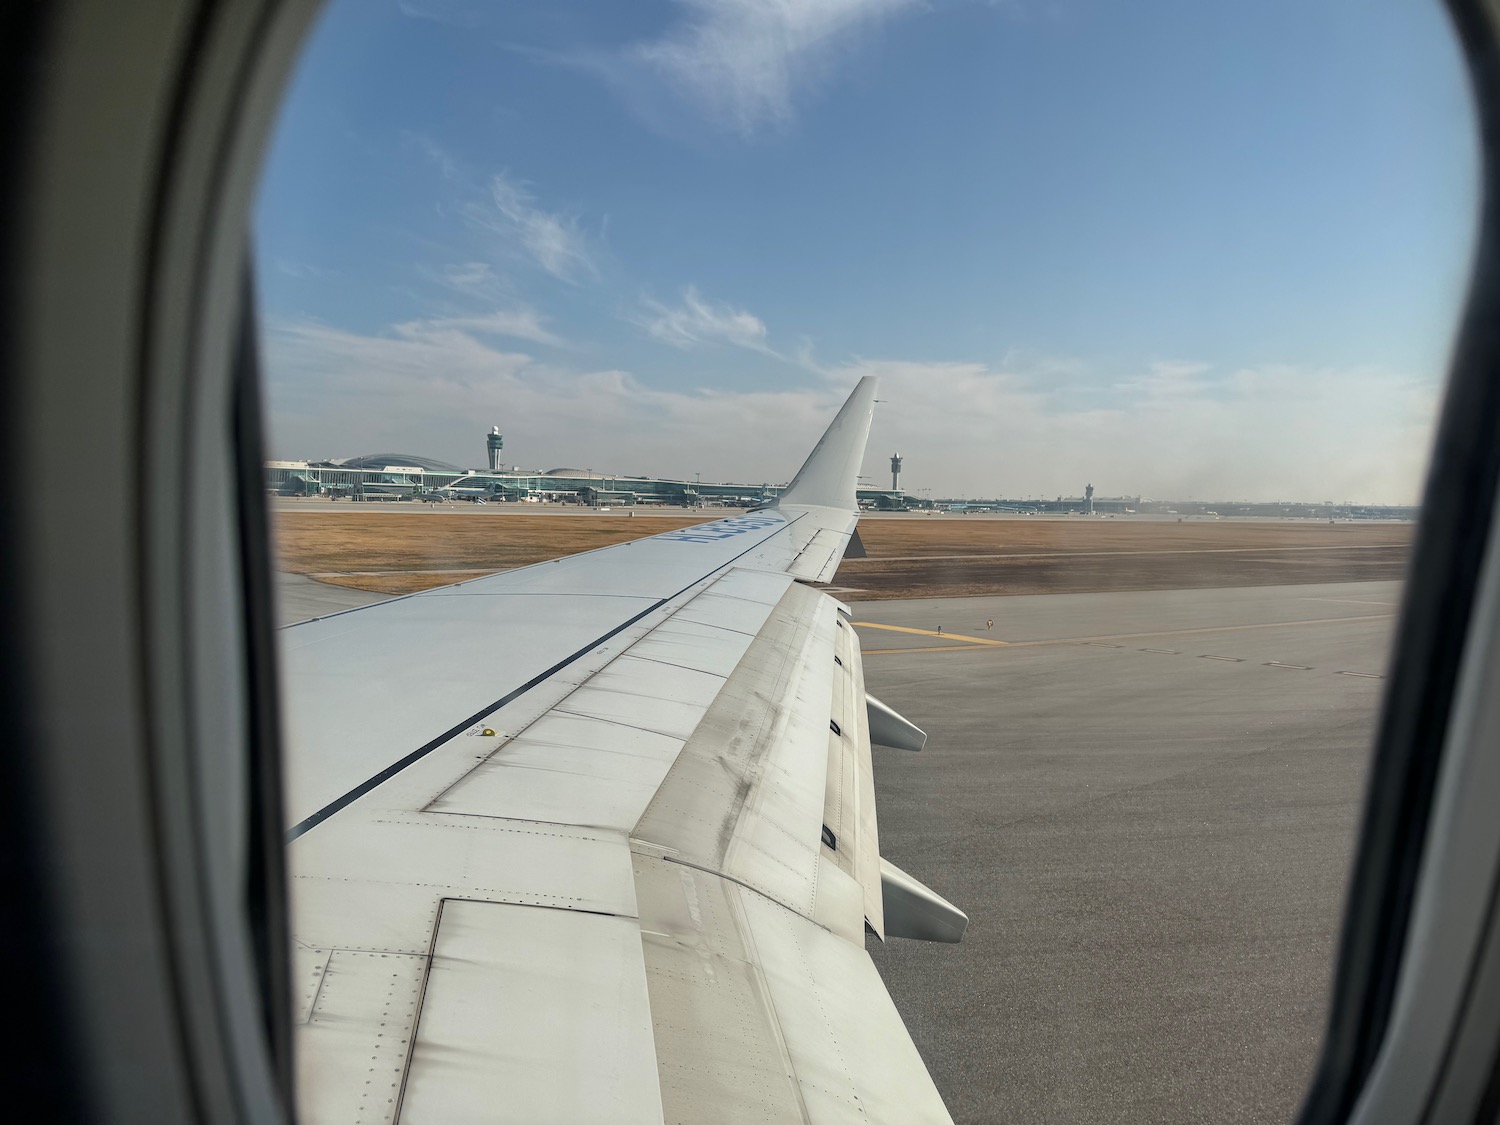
595	840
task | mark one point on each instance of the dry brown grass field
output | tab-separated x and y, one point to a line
965	556
947	556
397	552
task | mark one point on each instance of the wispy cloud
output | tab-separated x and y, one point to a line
517	324
289	268
696	321
553	240
1169	378
1271	432
466	277
742	64
334	391
436	154
1172	430
452	13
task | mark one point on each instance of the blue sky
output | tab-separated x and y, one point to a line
1173	248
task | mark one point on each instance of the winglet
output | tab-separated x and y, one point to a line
830	474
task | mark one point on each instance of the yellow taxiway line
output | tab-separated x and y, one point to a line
931	633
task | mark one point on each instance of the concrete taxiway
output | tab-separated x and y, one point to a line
1146	803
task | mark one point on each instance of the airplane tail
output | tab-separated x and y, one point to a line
830	475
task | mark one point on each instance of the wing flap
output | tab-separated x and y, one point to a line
760	1014
541	1012
718	1044
745	796
850	1052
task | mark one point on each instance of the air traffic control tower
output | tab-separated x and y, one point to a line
895	472
494	442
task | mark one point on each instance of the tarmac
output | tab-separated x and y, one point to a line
1146	803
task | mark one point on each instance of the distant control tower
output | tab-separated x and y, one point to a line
895	472
1088	500
494	442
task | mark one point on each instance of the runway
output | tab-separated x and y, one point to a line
1146	804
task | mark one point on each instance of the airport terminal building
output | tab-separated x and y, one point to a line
407	477
404	476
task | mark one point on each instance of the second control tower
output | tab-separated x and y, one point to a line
494	442
895	472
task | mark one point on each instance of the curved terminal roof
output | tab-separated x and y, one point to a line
380	461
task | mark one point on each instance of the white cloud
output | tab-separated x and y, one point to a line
434	390
697	321
965	428
451	13
1174	431
554	240
743	61
436	154
523	323
288	268
467	277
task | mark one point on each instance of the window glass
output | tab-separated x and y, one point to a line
1159	297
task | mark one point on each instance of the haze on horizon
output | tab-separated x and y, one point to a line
1169	250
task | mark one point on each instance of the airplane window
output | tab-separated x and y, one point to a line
1150	305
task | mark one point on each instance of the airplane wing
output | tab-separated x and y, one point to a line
595	840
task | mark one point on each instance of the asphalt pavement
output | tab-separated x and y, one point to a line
1146	803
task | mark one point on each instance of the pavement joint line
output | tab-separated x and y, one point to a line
979	641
